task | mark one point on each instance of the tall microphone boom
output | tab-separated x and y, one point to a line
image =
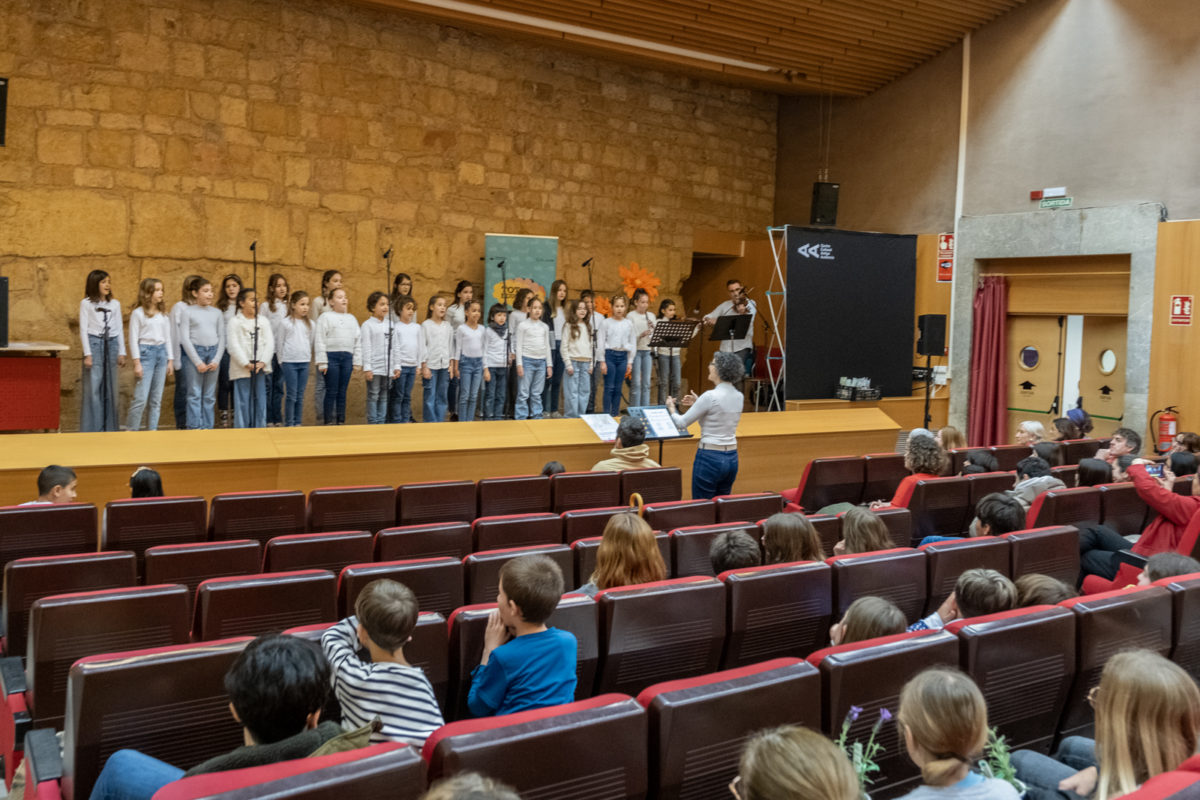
588	262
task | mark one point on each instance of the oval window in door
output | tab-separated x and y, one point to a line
1108	362
1029	357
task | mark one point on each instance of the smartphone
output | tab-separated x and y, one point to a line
1154	470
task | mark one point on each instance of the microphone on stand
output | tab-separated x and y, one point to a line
588	263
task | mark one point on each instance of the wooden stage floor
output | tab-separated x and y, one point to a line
773	449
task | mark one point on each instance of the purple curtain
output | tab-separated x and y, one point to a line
987	412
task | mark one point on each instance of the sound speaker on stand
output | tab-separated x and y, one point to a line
824	203
932	341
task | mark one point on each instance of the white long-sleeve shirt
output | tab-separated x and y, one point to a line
91	323
337	333
275	317
318	307
642	322
295	341
146	331
239	340
494	348
410	338
178	312
203	326
468	342
733	345
456	315
533	340
616	334
375	346
577	348
718	411
439	338
560	321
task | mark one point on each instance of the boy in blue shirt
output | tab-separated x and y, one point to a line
536	667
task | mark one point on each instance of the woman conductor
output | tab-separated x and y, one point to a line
718	411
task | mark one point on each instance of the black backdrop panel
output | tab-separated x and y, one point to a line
850	303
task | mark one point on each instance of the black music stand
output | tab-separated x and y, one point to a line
660	433
674	333
730	327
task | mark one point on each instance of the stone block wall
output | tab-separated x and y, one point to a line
160	138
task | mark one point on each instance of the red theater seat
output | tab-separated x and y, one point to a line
1009	455
192	564
747	507
658	485
827	481
451	539
259	604
1075	450
572	490
1121	509
516	530
437	582
331	551
351	508
586	523
255	515
149	521
34	531
1079	507
947	560
883	474
774	611
519	494
1052	551
584	553
899	524
680	514
829	530
482	569
690	546
940	507
981	484
1185	603
440	501
898	575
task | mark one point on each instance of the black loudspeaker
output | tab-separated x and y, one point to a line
824	204
933	335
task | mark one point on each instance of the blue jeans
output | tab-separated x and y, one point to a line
639	392
669	374
377	398
130	775
275	393
529	393
495	393
402	395
180	403
713	473
578	385
149	387
614	379
556	380
295	377
470	375
95	414
1042	773
242	388
319	397
434	402
202	389
337	378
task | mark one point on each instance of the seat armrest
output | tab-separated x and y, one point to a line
1132	559
43	757
12	675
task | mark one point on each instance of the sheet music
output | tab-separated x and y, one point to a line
604	426
658	419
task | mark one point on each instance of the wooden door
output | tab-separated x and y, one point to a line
1102	372
1035	347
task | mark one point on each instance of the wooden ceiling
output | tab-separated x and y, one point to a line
843	47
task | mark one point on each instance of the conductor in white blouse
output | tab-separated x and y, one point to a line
718	410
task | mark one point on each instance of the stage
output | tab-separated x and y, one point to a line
773	449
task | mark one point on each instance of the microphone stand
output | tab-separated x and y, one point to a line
509	398
387	258
254	340
105	388
592	293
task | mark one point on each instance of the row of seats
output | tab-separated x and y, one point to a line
682	734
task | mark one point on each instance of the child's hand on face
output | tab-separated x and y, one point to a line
494	635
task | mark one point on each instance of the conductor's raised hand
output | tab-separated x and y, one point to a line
689	399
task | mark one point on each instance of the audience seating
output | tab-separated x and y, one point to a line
899	524
256	515
148	521
690	546
584	553
658	485
680	514
1066	473
516	530
1057	456
1075	450
940	507
520	494
829	530
591	748
36	531
981	484
659	631
584	524
958	459
1122	509
482	569
1009	455
1079	506
699	725
827	481
1052	551
572	490
257	604
440	501
1182	783
451	539
776	610
437	582
1185	602
948	560
351	508
747	507
898	575
192	564
882	474
331	551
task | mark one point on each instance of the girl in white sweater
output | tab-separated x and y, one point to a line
616	344
251	347
274	309
381	365
178	311
295	349
533	355
467	363
577	359
152	347
435	377
103	338
338	354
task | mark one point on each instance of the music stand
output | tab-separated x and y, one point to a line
730	327
674	332
659	425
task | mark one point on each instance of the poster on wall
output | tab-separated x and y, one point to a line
945	258
530	262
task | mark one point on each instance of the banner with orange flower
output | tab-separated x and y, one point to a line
636	277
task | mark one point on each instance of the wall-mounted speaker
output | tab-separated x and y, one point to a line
824	203
932	341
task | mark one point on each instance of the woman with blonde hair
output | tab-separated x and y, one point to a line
1030	432
862	532
944	721
794	762
1147	723
951	438
628	554
790	537
868	618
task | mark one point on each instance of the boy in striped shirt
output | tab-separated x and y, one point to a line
388	687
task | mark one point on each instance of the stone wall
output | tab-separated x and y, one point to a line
159	139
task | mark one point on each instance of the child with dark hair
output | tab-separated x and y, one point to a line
55	486
380	350
1167	565
497	356
145	482
102	334
553	468
976	592
1042	590
1093	472
408	339
734	550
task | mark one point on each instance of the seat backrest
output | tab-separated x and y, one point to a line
351	508
517	494
1105	624
883	473
167	702
899	524
586	523
424	541
680	514
437	582
1052	551
1066	473
516	530
588	749
1079	506
393	770
257	604
775	611
1053	453
571	490
981	484
136	524
940	507
34	531
1009	455
748	507
947	560
829	530
64	628
27	580
869	675
482	569
698	725
1075	450
832	480
255	515
440	501
1023	662
898	575
690	546
958	459
191	564
661	485
1185	604
659	631
1121	509
584	551
331	551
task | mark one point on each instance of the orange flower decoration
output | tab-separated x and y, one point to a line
634	277
515	285
603	305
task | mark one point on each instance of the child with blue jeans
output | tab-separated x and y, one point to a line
467	361
617	343
203	343
643	328
339	352
295	348
533	361
380	364
497	355
435	375
409	340
151	345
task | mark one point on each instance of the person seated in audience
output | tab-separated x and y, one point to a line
386	687
790	537
919	433
56	486
1042	590
925	460
734	550
1048	452
944	720
469	786
277	688
525	664
950	438
1147	722
1185	442
1181	464
553	468
631	450
1120	468
977	592
1066	429
1166	565
862	532
628	554
867	618
1093	472
971	469
794	762
981	458
1082	419
1125	442
996	514
145	482
1034	478
1030	432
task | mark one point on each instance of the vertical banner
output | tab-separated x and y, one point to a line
945	258
850	299
531	262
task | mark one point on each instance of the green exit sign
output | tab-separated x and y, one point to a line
1055	202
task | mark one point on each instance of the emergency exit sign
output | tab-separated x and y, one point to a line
1055	202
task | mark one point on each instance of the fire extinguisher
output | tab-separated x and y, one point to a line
1166	428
